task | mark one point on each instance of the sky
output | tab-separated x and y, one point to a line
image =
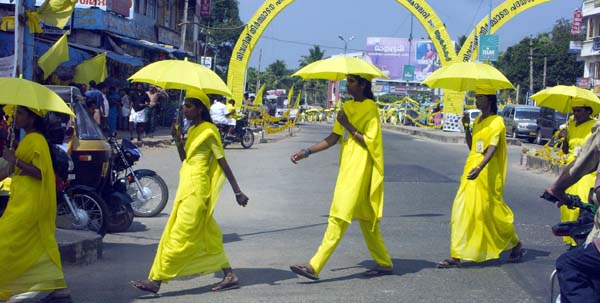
305	23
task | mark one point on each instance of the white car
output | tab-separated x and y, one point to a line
473	114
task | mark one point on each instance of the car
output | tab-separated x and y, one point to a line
521	121
473	114
548	123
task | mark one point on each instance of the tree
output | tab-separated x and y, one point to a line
315	91
562	66
459	44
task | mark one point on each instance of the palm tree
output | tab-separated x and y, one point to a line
314	89
314	54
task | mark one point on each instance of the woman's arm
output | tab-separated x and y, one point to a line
178	137
240	197
328	142
489	153
343	119
26	168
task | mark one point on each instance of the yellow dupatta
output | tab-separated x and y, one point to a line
27	228
361	167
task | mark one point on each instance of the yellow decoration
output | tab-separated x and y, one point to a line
92	69
33	22
58	53
8	24
258	100
57	12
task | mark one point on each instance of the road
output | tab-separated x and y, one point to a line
287	214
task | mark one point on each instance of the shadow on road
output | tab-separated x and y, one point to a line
233	237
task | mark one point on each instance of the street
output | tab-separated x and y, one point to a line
286	217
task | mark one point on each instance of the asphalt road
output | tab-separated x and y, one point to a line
287	214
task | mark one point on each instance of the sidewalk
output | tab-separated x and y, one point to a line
438	134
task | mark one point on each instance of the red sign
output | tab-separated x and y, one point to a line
583	82
576	25
203	8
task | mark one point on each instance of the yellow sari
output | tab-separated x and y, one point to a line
577	135
481	226
359	188
29	256
192	242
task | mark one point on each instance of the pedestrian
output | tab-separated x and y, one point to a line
114	101
125	110
29	256
152	110
139	102
573	137
192	242
359	188
481	224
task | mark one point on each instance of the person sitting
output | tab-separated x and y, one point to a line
218	113
578	268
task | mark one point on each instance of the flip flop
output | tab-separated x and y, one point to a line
375	272
303	270
517	258
144	286
449	263
226	284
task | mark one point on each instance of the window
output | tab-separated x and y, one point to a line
527	114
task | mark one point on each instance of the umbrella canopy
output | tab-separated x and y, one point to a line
468	76
338	68
182	74
563	98
17	91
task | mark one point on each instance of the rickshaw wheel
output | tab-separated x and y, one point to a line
94	206
119	220
156	187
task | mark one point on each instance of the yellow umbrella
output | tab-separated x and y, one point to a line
563	98
182	74
17	91
337	68
468	76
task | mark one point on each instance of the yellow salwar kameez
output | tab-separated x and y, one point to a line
359	188
481	226
192	242
29	256
577	135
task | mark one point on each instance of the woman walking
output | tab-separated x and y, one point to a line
192	242
481	226
359	189
29	256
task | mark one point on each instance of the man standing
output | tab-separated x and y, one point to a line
151	111
139	101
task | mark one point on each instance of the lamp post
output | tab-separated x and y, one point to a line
346	42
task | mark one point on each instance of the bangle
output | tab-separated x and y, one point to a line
239	193
356	133
16	162
306	152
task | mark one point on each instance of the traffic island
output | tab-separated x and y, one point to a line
78	247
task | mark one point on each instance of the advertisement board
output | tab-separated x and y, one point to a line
122	7
391	55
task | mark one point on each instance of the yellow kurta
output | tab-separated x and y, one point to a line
359	188
29	256
577	135
192	242
481	226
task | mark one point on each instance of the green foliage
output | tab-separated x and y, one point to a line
561	68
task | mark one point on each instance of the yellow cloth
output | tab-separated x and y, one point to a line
33	23
481	226
336	229
57	12
577	135
192	242
231	108
359	188
92	69
51	59
27	228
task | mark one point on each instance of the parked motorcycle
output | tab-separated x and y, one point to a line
147	189
242	133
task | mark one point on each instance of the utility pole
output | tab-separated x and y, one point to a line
530	67
518	90
23	41
184	25
544	79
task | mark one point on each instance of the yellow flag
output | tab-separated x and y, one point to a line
58	53
259	95
57	12
93	69
290	96
8	24
297	102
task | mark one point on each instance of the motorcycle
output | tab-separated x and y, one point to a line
147	189
242	133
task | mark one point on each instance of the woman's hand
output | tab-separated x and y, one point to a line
9	155
297	156
176	132
466	120
241	199
474	173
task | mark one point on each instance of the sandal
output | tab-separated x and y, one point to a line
304	270
146	285
517	253
379	271
230	281
449	263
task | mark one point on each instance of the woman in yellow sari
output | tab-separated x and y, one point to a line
359	188
574	136
29	257
192	243
481	225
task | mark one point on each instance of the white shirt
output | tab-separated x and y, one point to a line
218	112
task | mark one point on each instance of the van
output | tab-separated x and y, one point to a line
548	123
521	121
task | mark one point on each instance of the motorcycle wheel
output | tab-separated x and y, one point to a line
93	205
120	220
156	188
247	138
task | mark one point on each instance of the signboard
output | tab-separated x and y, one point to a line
576	25
583	82
409	72
391	54
596	44
203	8
206	61
117	6
488	48
575	47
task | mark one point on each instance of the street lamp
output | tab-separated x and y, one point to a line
346	41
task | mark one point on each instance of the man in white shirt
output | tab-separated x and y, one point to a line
218	113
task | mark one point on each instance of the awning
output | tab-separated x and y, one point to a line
152	46
125	59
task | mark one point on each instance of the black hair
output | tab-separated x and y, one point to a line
367	91
204	113
38	122
92	83
493	99
231	101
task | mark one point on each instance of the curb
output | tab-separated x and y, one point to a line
438	135
537	163
79	247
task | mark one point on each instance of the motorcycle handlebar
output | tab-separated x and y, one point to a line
572	202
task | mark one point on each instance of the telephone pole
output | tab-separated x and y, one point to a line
544	79
530	68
